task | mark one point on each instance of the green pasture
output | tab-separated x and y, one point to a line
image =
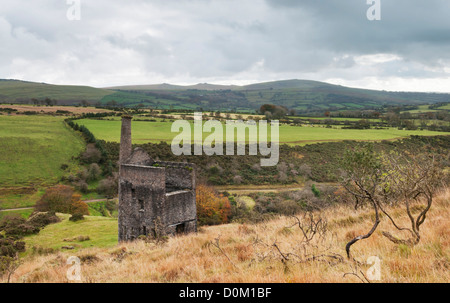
421	109
33	148
144	132
334	118
445	107
25	213
16	199
101	231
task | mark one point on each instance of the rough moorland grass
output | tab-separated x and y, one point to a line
237	253
33	148
19	200
154	132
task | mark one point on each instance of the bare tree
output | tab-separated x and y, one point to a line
315	245
362	178
413	182
8	266
383	181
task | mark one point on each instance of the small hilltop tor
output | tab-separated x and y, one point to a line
156	198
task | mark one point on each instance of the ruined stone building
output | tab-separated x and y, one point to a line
155	198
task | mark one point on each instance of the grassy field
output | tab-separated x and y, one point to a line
32	150
15	198
25	213
422	109
143	132
237	253
445	107
101	231
334	118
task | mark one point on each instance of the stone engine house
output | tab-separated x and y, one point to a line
155	197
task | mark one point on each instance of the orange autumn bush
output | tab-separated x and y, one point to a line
212	208
62	199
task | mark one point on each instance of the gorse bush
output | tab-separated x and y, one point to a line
10	247
13	228
43	219
17	227
317	162
315	191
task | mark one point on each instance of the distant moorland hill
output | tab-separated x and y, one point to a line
16	91
300	95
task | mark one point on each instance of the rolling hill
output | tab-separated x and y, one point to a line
301	95
22	92
304	96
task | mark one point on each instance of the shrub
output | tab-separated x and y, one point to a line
8	265
91	155
315	191
82	186
17	226
94	172
110	205
61	198
82	175
43	219
237	179
212	208
78	207
76	217
108	187
10	247
213	170
56	199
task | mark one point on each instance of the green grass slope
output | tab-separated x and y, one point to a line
102	232
33	148
19	91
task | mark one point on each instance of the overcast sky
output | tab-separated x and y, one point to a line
227	42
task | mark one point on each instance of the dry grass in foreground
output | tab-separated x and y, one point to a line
274	251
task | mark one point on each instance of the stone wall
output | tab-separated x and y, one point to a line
180	207
142	197
178	175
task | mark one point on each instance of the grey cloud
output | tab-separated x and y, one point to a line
191	41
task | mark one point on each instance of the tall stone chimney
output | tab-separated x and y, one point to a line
125	139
